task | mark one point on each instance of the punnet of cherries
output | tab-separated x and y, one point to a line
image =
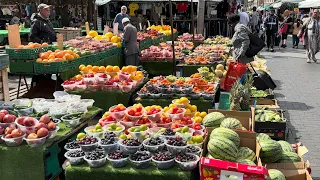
72	145
77	153
109	138
95	155
131	142
154	141
117	155
185	157
87	140
169	132
177	141
163	156
140	156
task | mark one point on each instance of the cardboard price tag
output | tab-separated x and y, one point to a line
60	41
14	36
87	27
115	28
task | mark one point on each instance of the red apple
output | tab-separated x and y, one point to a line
41	125
29	131
32	136
51	126
45	119
20	120
5	112
8	118
42	132
2	116
8	130
16	133
28	121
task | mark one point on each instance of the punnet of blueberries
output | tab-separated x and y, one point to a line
72	145
163	156
117	155
169	132
154	141
95	155
185	157
131	142
87	140
77	153
140	156
177	141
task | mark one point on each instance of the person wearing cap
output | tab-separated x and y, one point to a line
311	31
41	27
120	16
129	39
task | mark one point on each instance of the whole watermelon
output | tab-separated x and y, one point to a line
209	156
222	148
227	133
231	123
270	152
286	147
262	136
275	175
289	157
246	153
246	161
212	119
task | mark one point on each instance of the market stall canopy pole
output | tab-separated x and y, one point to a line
172	39
200	16
192	19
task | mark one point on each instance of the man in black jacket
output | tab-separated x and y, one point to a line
271	24
41	27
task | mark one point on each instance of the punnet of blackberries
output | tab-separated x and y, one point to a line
177	141
131	142
117	155
154	141
169	132
87	140
140	156
185	157
95	155
163	156
72	145
76	153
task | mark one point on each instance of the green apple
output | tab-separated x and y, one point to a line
132	129
109	129
123	136
98	126
185	129
143	127
99	130
137	130
178	130
197	139
113	126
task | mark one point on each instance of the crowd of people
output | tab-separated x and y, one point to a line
274	28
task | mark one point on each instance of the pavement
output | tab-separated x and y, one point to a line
298	93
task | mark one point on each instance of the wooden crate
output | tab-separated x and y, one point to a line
4	86
68	33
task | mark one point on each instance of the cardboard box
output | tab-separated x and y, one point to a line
276	130
270	95
293	171
243	116
268	103
219	169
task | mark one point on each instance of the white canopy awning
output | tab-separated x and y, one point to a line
277	5
101	2
291	1
309	4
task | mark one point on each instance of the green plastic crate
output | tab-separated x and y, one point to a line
25	54
22	66
54	67
52	167
224	101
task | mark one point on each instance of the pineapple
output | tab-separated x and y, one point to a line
246	92
235	96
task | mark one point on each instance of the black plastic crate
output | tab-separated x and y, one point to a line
276	130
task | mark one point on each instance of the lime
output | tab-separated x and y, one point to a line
81	135
99	130
143	127
197	139
98	126
109	129
123	136
132	129
190	142
118	128
185	129
113	126
178	130
137	130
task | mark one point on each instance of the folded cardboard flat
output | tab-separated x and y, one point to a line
219	169
243	116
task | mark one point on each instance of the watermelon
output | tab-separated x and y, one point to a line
227	133
222	148
275	175
246	153
212	119
246	161
231	123
262	136
270	152
286	147
209	156
289	157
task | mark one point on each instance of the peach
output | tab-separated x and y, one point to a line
16	133
45	119
51	126
32	136
42	132
41	125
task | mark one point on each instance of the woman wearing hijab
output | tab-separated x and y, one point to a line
284	27
311	31
240	39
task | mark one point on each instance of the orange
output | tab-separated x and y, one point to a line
44	55
57	50
45	60
89	67
85	70
125	69
130	69
95	68
50	60
81	66
116	69
109	68
78	77
69	51
102	69
81	69
45	44
39	60
51	57
57	59
139	72
76	55
68	56
59	54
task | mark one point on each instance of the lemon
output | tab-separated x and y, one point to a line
198	119
184	100
193	108
123	136
197	114
165	109
188	111
81	135
171	105
203	114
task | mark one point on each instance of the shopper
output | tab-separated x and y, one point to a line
240	39
41	27
271	28
131	50
255	20
296	29
244	17
15	19
119	17
284	27
304	19
311	31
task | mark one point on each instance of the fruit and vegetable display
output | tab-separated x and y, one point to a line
189	37
265	115
170	87
258	64
259	93
32	45
240	94
109	78
217	119
108	37
218	40
163	29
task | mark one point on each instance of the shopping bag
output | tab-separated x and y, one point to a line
256	45
302	38
235	71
